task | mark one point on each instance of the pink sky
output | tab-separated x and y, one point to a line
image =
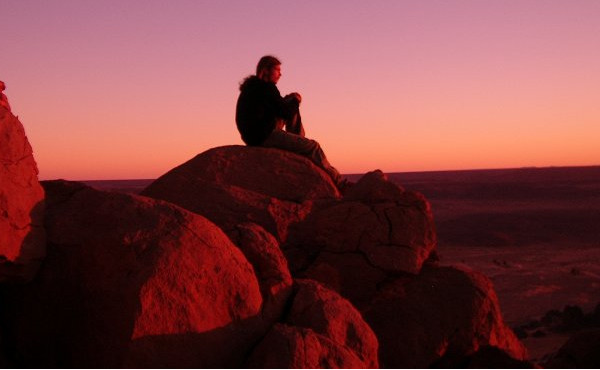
130	89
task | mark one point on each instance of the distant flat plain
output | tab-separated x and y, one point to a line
535	232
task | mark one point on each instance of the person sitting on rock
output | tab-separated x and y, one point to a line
3	98
262	114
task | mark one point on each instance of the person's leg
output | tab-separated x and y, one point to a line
300	145
294	125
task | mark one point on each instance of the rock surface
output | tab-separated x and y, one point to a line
288	347
321	330
262	251
235	184
22	239
131	281
442	313
327	313
353	245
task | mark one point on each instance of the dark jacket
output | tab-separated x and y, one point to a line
259	106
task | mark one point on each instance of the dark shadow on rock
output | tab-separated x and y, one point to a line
216	348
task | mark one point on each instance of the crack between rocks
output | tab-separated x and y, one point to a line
358	251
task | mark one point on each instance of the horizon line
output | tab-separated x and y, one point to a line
362	173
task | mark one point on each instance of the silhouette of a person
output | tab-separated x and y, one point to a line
262	114
3	98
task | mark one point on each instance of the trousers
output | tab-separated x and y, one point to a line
299	144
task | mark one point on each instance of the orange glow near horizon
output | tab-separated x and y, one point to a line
124	90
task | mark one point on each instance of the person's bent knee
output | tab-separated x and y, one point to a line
312	148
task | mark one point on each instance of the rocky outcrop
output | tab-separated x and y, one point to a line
235	184
131	281
287	273
444	313
322	329
354	244
372	246
22	244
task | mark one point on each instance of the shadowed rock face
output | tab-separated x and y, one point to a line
444	313
262	251
131	281
291	347
22	244
235	184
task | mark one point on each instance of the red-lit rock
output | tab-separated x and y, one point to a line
327	313
234	184
442	313
320	330
376	230
288	347
374	187
262	251
131	281
22	240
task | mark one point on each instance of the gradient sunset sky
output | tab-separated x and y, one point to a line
129	89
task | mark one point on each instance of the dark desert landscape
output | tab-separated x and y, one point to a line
533	231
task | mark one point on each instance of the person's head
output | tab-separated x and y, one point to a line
2	86
269	69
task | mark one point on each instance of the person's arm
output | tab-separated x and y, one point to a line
284	107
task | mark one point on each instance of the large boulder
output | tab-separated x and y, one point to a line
131	281
378	229
321	330
443	313
235	184
22	244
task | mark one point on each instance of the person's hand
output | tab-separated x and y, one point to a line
297	96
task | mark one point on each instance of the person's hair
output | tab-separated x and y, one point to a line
266	63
